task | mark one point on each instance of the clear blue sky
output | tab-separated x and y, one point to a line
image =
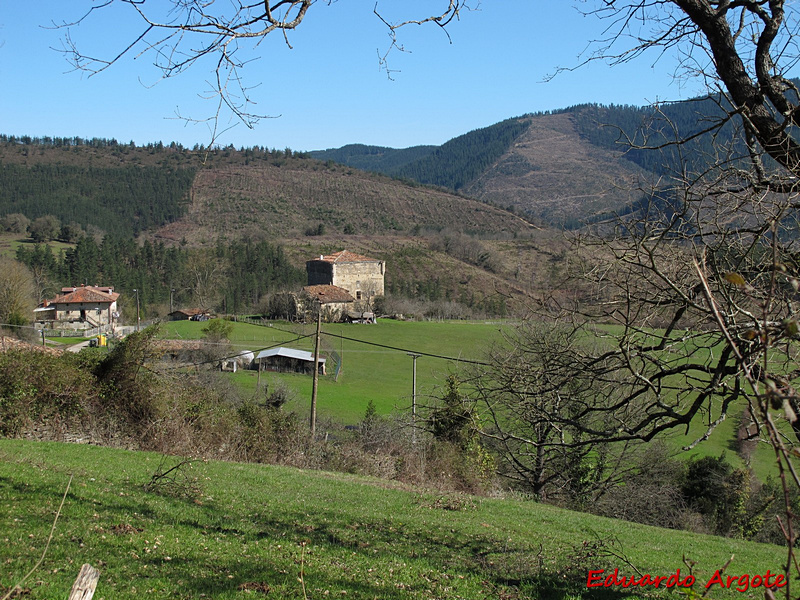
328	90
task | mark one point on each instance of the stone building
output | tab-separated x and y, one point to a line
82	307
333	301
361	276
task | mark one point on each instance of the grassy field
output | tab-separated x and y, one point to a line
9	242
247	531
368	372
385	376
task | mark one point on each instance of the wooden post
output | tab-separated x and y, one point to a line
83	588
414	358
313	420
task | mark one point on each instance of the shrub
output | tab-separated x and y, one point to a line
40	390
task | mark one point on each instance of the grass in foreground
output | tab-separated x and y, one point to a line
257	531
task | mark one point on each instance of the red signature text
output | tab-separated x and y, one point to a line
740	583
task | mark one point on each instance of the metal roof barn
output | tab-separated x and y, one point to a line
288	360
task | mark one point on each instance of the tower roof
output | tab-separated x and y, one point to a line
345	256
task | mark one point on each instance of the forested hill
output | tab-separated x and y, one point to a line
195	195
378	159
452	165
562	166
108	186
122	201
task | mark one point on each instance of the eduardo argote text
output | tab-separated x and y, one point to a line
740	583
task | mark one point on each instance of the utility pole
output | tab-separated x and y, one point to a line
313	420
138	314
414	356
171	291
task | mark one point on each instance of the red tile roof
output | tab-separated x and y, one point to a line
86	294
345	256
328	293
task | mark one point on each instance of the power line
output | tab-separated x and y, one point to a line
407	350
216	360
420	352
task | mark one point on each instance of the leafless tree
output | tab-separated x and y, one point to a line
205	278
545	411
16	293
691	300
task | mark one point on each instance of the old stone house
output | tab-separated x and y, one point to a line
331	300
81	307
361	276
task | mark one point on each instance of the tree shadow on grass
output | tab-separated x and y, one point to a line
438	558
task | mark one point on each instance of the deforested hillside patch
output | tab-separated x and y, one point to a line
553	173
295	197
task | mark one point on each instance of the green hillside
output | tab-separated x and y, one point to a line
452	165
123	200
228	530
374	158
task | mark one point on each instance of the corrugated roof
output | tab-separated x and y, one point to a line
86	294
288	353
345	256
328	293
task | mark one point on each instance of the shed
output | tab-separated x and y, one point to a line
352	316
288	360
189	314
243	360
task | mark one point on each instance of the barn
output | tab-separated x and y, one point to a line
287	360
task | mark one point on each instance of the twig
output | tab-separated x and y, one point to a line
302	563
46	546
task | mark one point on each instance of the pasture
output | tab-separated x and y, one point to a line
369	372
384	376
247	531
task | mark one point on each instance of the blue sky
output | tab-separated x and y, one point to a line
328	90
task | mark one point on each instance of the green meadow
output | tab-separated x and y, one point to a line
369	372
384	376
10	242
249	531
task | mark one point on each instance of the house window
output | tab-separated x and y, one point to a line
358	295
99	311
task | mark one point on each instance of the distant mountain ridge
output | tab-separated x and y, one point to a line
452	165
374	158
564	166
561	167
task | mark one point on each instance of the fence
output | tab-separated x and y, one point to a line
79	333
